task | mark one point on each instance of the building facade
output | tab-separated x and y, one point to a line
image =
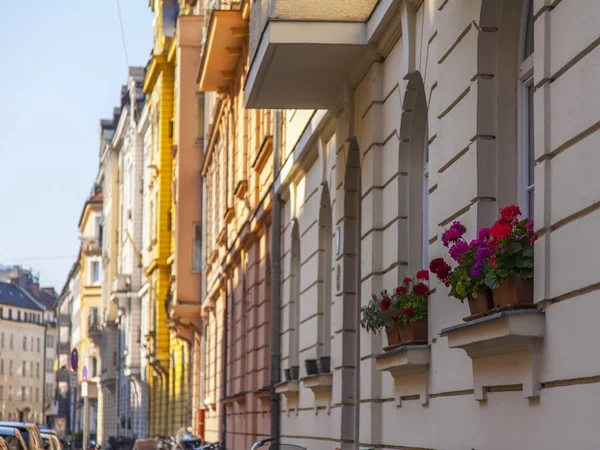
22	338
426	112
90	324
237	176
66	318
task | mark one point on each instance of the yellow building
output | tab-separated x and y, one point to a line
159	86
174	267
90	227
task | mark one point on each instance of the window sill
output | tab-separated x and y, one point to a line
321	385
409	366
291	392
490	339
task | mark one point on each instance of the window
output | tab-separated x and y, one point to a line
197	248
1	312
31	369
49	390
24	373
1	393
10	393
26	317
37	370
294	350
526	115
49	365
10	367
32	344
37	394
1	367
10	313
200	117
19	315
23	393
426	200
2	340
50	341
38	345
12	341
95	272
94	368
325	269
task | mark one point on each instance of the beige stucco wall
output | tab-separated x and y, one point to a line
32	355
469	181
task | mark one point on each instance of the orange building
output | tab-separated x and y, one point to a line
238	174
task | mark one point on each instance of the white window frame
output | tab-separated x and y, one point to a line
526	108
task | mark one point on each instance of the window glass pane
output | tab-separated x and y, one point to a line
531	142
529	32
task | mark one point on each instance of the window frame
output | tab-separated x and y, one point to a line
526	119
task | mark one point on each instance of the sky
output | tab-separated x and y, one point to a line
63	64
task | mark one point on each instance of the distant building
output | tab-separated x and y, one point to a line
22	337
46	297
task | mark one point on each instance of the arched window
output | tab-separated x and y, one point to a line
414	132
294	350
526	121
325	269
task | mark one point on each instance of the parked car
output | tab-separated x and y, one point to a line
12	438
29	432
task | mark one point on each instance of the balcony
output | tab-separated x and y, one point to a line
303	51
91	246
225	33
121	283
94	330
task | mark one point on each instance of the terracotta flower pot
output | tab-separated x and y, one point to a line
514	291
413	332
393	338
482	303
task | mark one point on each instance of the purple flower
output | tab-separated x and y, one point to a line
474	243
476	270
484	233
483	253
457	250
454	233
529	227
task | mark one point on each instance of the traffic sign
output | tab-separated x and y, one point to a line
74	359
84	374
73	380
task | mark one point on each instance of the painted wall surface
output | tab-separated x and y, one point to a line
21	365
238	172
466	68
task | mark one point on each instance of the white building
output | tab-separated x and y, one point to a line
127	143
434	111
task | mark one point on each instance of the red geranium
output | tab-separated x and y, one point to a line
501	230
408	311
407	280
441	269
420	289
510	214
423	275
400	291
385	303
533	238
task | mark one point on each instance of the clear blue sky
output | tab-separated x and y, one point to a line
62	68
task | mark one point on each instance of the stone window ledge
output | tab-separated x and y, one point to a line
321	385
504	349
291	391
409	366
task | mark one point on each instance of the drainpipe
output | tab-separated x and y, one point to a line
276	281
224	369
